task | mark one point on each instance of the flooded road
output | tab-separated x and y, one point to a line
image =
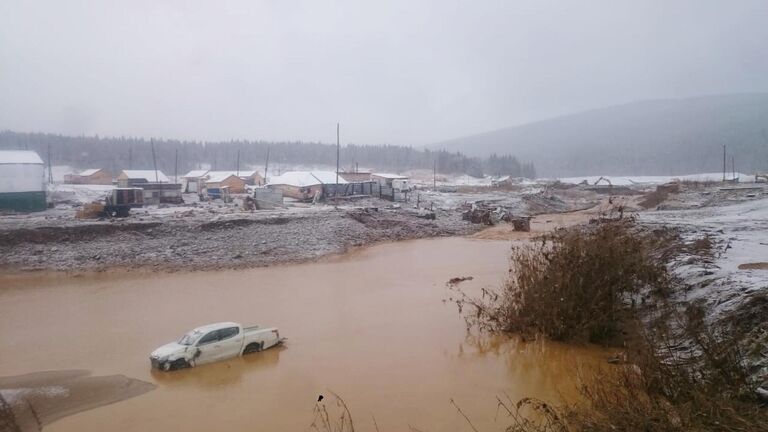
370	326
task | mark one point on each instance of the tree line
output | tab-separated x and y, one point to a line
115	154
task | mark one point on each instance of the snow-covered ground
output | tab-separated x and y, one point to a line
78	194
740	233
640	180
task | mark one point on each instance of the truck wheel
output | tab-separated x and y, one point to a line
252	348
175	365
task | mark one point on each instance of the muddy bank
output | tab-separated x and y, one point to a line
209	237
230	241
29	402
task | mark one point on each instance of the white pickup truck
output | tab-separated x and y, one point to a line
212	343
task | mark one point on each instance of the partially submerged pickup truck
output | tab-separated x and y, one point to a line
212	343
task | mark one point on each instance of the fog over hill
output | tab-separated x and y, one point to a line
654	137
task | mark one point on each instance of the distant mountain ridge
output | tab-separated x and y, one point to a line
654	137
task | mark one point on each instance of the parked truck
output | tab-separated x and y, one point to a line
121	200
214	342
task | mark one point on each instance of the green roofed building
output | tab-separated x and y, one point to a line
22	181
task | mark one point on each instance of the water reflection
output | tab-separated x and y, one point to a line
537	363
220	375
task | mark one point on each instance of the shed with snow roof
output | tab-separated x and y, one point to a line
22	181
394	181
221	179
306	185
96	176
192	182
252	178
131	178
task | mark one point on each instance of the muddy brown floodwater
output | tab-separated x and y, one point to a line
370	325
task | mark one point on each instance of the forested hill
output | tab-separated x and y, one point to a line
115	154
661	137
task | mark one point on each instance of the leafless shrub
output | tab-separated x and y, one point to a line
574	283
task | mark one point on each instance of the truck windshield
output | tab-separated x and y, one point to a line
190	338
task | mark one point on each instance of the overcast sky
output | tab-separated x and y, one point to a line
400	72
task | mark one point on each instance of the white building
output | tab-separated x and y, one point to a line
22	181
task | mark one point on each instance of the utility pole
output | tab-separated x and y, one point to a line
338	152
176	166
266	166
154	160
723	162
238	162
733	168
434	175
50	170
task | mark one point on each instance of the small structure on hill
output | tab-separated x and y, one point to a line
95	176
22	181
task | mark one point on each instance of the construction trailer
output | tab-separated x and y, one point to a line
22	181
161	193
120	202
394	181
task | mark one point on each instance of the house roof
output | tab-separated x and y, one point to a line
250	173
218	176
19	157
148	175
390	176
89	172
195	174
306	178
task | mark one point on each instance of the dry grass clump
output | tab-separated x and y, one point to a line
90	211
576	283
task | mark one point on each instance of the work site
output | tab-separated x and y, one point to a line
343	216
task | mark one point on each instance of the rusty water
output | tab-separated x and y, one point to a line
371	326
